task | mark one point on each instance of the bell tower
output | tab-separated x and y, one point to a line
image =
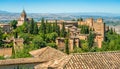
22	19
23	15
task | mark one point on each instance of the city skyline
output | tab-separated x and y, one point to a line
61	6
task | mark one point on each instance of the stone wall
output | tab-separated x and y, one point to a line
98	27
60	42
18	44
6	52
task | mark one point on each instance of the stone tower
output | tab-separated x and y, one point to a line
89	22
23	15
60	42
99	29
73	42
22	18
99	20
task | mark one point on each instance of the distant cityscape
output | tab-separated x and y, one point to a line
59	34
6	17
112	20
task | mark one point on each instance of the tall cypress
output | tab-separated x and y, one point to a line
25	27
31	26
63	32
13	24
48	27
54	27
42	28
66	46
35	31
57	28
91	39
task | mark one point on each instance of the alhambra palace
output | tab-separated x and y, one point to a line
50	58
75	36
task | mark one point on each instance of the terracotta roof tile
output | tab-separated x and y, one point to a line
99	60
20	61
47	53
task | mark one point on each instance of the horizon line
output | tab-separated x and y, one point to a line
60	12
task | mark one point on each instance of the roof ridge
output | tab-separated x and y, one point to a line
56	50
44	50
96	52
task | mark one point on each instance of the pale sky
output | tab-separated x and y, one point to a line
61	6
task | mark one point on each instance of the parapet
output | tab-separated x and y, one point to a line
99	20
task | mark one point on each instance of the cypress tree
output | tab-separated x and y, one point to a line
63	32
15	34
91	39
54	28
57	28
49	28
25	28
1	36
35	31
13	24
42	28
31	26
66	46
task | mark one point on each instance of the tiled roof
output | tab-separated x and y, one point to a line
53	64
20	61
54	59
47	53
99	60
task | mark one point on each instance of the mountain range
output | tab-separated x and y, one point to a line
74	13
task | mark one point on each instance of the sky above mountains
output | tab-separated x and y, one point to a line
61	6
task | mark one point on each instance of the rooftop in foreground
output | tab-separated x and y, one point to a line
51	58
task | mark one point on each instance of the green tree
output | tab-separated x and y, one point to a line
84	29
13	24
39	42
66	46
48	27
54	28
35	31
84	46
77	50
1	37
31	28
63	32
42	28
91	39
15	34
51	37
27	38
57	28
25	27
112	41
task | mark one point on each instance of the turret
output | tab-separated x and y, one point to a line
23	15
99	20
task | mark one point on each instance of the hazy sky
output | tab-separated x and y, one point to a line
61	6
